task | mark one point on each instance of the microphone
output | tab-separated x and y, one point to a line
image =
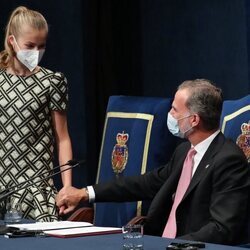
7	192
35	176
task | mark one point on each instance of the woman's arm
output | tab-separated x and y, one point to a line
63	143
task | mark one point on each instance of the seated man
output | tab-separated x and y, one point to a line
201	198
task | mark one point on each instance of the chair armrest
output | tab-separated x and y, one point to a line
82	214
137	220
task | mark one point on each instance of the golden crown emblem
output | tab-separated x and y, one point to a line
122	138
245	128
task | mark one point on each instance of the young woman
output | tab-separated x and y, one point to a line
33	103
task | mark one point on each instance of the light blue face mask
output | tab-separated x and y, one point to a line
174	128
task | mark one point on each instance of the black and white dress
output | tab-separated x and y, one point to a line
27	139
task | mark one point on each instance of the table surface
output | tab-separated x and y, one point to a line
103	242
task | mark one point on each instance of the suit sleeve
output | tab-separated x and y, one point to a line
133	188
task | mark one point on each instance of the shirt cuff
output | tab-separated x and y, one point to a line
91	193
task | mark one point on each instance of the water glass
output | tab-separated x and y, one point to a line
132	237
13	213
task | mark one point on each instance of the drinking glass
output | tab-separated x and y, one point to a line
132	237
13	213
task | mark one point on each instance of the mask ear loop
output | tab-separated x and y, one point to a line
191	127
185	117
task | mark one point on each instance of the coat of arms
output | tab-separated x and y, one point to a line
243	140
120	153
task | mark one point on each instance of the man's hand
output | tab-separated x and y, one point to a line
68	198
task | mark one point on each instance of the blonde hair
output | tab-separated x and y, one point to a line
19	17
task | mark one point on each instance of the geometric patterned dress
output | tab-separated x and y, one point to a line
27	138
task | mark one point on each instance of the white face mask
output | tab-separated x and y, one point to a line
174	127
29	58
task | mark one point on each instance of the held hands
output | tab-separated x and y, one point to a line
68	198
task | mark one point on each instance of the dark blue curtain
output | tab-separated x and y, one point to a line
138	47
185	39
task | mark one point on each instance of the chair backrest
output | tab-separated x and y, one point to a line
135	140
235	122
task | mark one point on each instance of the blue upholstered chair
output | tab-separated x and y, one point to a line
235	122
135	140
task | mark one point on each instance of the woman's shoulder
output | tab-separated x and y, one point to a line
55	75
49	71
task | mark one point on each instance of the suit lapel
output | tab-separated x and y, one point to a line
205	162
170	185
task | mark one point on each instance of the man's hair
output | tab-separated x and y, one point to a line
205	99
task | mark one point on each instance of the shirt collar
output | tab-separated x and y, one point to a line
202	147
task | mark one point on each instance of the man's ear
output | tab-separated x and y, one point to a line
195	120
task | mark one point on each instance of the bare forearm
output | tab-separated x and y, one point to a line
65	154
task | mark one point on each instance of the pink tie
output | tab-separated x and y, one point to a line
186	175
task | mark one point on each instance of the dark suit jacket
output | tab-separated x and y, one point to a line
214	208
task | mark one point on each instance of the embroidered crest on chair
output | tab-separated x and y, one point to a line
243	140
120	153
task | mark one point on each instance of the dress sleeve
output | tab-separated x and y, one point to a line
58	92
